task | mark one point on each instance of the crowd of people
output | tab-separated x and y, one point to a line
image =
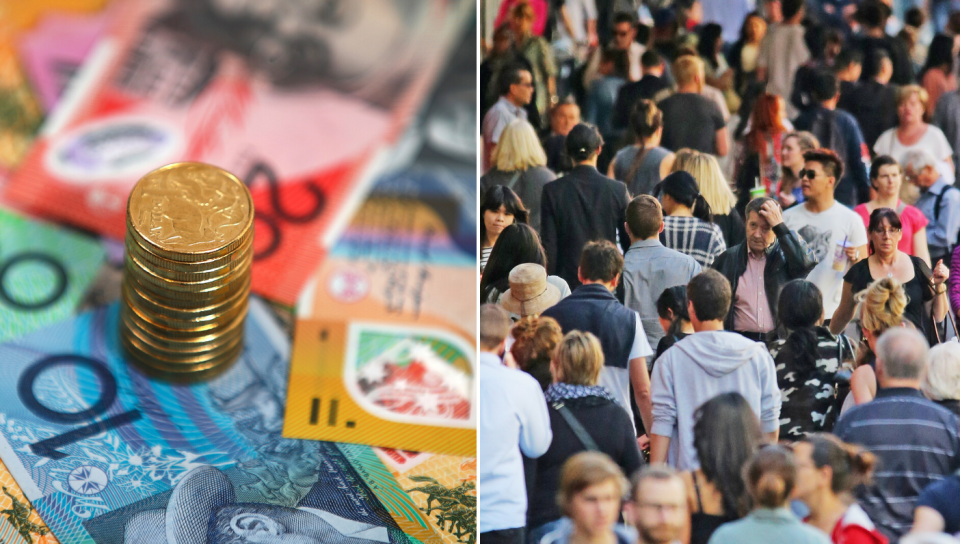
715	280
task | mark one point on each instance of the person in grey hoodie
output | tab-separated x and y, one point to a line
699	367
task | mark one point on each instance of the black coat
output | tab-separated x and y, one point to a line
580	207
788	258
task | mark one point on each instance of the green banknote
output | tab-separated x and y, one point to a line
44	272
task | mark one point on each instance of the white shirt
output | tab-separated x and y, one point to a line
513	418
578	12
497	119
617	380
822	232
933	140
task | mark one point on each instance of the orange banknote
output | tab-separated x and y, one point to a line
19	522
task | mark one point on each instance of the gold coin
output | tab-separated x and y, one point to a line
190	271
176	351
159	278
190	312
185	333
190	212
158	288
183	321
194	368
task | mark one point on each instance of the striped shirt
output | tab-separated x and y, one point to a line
916	443
701	240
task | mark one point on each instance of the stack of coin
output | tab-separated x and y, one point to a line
186	279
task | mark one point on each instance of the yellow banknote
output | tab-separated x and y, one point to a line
19	522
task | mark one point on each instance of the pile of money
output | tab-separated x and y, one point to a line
189	245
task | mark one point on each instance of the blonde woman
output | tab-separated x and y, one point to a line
576	367
941	383
881	307
913	133
715	190
519	163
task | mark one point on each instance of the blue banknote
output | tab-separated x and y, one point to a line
108	455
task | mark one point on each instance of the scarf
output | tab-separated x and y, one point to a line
565	391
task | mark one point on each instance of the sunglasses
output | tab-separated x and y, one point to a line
621	33
809	174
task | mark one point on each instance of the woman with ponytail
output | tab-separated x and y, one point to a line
642	165
688	226
674	319
770	477
827	472
807	357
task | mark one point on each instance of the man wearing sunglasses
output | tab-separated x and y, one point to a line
834	232
624	39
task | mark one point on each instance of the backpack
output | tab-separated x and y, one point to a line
937	205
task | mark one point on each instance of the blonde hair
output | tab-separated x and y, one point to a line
879	307
587	469
904	93
713	186
687	68
942	381
518	148
579	358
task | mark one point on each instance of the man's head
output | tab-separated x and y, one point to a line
651	63
564	116
624	30
494	328
872	14
760	234
902	355
502	40
848	65
920	168
591	488
615	62
822	169
658	504
688	71
826	88
792	10
709	297
644	218
516	84
880	68
601	262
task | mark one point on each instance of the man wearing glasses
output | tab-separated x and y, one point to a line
658	505
516	91
834	232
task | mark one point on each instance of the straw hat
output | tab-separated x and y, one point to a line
529	293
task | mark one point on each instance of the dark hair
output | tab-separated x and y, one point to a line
510	76
645	120
872	13
824	86
771	475
746	24
651	59
939	55
851	465
709	292
799	309
620	60
600	261
816	39
517	244
828	158
755	205
707	42
878	216
726	433
644	216
914	17
872	69
643	34
846	57
582	142
672	303
878	163
682	188
497	196
789	8
624	17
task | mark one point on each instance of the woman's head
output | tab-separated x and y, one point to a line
501	207
942	380
726	433
886	176
517	244
766	119
683	159
911	103
753	28
770	476
672	309
578	359
710	180
827	465
940	54
800	305
590	492
794	145
884	231
521	18
518	148
709	42
535	340
646	119
881	307
680	189
583	143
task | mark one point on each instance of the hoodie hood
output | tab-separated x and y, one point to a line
719	352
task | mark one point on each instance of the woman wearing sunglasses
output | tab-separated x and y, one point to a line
887	261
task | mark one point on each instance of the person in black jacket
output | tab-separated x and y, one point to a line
771	256
580	207
580	411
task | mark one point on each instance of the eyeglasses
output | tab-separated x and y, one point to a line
809	174
528	84
887	232
621	33
666	508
